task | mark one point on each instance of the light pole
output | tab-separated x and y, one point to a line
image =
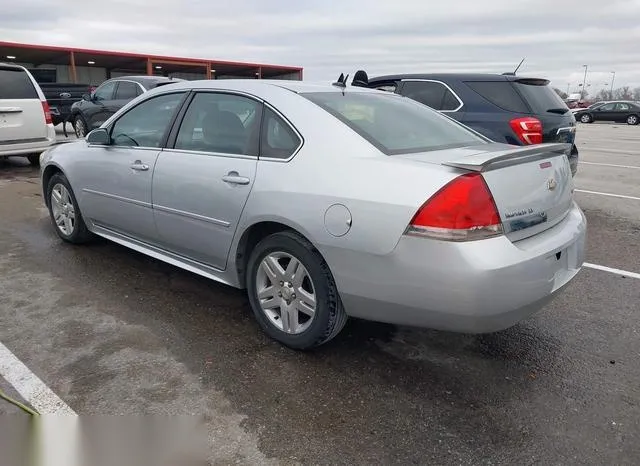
584	81
613	77
568	88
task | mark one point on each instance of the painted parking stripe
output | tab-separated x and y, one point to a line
620	272
606	149
608	194
29	385
609	165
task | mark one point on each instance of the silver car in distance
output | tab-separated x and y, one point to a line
325	202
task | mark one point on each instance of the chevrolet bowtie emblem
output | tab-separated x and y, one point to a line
551	184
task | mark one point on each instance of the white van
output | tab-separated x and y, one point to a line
25	119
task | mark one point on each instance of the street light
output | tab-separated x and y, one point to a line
613	77
584	80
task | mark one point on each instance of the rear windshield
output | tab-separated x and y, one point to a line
540	96
15	84
394	124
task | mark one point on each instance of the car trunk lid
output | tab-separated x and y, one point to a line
532	185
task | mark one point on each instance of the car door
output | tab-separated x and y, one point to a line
100	107
126	91
623	110
202	180
116	178
606	112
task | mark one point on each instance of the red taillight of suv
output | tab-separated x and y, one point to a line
528	129
47	112
462	210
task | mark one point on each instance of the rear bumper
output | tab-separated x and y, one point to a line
474	287
30	147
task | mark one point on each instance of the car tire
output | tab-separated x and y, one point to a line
34	159
80	127
63	208
633	120
267	287
586	118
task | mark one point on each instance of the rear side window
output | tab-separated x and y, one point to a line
16	84
277	139
434	94
540	96
501	94
127	90
394	124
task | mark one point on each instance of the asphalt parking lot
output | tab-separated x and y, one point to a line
110	331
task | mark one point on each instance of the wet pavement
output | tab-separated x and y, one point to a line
112	331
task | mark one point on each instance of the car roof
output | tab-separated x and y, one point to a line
453	76
264	84
146	79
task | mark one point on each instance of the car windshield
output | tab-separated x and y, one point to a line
394	124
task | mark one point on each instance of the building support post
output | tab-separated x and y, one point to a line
208	70
72	61
149	67
260	72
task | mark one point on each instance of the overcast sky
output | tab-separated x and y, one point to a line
327	37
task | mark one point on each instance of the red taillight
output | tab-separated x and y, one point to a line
47	112
528	129
463	210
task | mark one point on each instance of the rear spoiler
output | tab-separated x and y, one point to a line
482	162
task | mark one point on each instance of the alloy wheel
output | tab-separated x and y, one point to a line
286	293
63	211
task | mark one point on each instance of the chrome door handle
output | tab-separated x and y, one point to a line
139	166
234	178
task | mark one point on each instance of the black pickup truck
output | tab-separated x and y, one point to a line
61	96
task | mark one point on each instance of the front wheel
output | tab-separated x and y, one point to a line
586	118
632	120
80	127
64	211
292	292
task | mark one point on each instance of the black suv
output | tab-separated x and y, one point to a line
504	107
95	108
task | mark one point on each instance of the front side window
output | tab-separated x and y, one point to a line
222	123
105	92
146	124
394	124
607	107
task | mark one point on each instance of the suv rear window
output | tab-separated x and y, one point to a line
540	96
16	84
501	94
394	124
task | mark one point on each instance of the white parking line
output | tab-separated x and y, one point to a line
607	194
620	272
606	149
29	386
609	165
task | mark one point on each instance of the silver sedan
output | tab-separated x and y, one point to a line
323	202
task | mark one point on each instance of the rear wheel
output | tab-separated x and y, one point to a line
586	118
64	211
292	292
632	120
34	159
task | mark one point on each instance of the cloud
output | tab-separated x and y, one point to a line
329	37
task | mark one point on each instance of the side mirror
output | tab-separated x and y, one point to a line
99	136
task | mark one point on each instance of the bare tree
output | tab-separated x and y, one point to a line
636	93
563	95
623	93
